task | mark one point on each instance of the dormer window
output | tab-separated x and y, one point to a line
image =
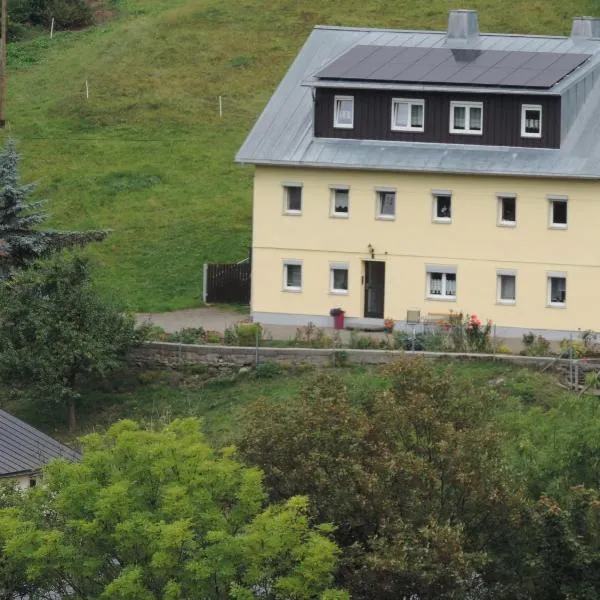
466	117
531	120
408	115
343	112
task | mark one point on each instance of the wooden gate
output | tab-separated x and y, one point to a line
227	283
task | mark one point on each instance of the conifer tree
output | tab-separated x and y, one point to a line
21	240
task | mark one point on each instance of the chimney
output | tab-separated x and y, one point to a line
463	28
585	28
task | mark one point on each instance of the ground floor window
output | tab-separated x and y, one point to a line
441	284
338	279
507	288
557	290
292	276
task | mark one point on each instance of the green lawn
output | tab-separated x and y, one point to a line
147	154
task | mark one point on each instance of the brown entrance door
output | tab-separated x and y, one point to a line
374	288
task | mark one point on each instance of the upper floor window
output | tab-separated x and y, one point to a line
466	117
531	120
408	115
386	204
442	206
507	210
292	199
558	213
343	112
340	202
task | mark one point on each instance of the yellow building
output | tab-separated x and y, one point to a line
417	173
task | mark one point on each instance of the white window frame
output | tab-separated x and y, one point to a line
443	270
505	273
332	212
378	192
411	102
338	266
500	200
551	201
467	106
286	210
336	122
524	108
293	263
435	196
555	275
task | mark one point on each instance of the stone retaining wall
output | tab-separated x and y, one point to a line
164	354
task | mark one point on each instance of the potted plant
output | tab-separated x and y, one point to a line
388	325
338	317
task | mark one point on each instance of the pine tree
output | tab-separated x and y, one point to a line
21	242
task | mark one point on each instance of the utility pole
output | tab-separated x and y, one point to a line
3	18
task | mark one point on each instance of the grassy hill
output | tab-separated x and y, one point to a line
147	155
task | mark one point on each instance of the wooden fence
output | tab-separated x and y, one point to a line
227	283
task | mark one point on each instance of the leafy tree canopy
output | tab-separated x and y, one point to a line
159	515
55	328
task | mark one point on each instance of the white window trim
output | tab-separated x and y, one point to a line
332	190
505	273
435	218
551	223
549	276
288	184
499	221
287	263
443	270
410	102
525	107
332	290
378	215
468	106
336	123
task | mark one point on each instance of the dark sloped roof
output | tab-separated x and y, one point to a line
25	449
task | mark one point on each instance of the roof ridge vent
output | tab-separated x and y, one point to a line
463	28
585	28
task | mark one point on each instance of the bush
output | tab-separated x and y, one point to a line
535	345
66	13
244	334
339	358
311	336
503	349
426	341
267	370
187	335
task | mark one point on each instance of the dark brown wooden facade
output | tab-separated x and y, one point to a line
501	118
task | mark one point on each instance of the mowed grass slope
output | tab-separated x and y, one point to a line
147	154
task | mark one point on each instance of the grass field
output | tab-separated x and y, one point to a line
147	154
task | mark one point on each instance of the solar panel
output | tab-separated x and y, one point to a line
405	64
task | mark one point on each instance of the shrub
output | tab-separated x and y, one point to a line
535	345
244	334
154	333
311	336
365	342
503	349
187	335
467	334
339	358
66	13
267	370
213	337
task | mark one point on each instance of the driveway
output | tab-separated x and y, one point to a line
213	319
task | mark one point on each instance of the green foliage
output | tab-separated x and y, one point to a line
187	335
21	241
311	336
244	334
535	345
367	342
426	341
158	514
66	13
406	476
268	369
55	328
467	334
340	358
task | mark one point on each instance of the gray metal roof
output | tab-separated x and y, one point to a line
283	134
24	449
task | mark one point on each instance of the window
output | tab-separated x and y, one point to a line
531	120
338	278
558	213
408	115
507	288
466	117
292	199
32	482
557	290
292	276
343	112
386	204
442	206
507	211
441	283
340	202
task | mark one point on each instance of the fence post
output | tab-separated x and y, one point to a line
256	341
204	282
494	342
571	371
